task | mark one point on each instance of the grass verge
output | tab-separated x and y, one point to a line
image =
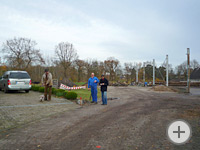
79	83
85	94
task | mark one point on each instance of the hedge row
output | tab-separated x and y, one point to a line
58	92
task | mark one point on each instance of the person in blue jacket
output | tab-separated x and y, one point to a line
92	84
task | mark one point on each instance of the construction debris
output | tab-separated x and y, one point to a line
119	84
162	88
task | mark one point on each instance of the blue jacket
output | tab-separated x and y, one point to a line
91	82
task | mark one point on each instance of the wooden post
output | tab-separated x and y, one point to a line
167	71
144	72
188	70
154	72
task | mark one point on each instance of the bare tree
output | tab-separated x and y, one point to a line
194	64
181	70
88	66
128	70
95	67
101	68
111	64
98	67
20	53
66	54
80	68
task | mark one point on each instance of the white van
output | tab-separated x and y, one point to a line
15	80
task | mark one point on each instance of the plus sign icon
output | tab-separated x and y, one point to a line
179	132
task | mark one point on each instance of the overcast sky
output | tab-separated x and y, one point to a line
129	30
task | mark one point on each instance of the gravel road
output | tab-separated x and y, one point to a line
136	121
19	108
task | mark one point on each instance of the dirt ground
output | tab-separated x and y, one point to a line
136	121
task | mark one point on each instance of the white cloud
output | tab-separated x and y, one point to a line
86	37
151	35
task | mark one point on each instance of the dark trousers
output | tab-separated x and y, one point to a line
46	89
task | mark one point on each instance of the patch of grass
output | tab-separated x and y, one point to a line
80	83
85	94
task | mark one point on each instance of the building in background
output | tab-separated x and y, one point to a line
195	75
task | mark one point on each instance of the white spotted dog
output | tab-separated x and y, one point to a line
41	98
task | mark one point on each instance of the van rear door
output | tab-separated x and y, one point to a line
19	79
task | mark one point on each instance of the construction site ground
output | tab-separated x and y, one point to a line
136	120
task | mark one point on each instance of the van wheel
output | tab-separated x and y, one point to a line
27	91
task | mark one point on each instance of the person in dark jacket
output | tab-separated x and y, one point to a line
104	84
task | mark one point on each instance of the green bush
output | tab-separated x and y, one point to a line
59	94
61	90
41	89
65	93
71	95
35	88
53	90
32	87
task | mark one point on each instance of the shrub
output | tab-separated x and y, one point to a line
71	95
59	94
41	89
61	90
53	90
32	87
35	88
65	93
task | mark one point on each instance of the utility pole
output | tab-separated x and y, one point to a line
167	71
153	72
188	70
144	72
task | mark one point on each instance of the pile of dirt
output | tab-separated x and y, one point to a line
67	82
162	88
118	84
